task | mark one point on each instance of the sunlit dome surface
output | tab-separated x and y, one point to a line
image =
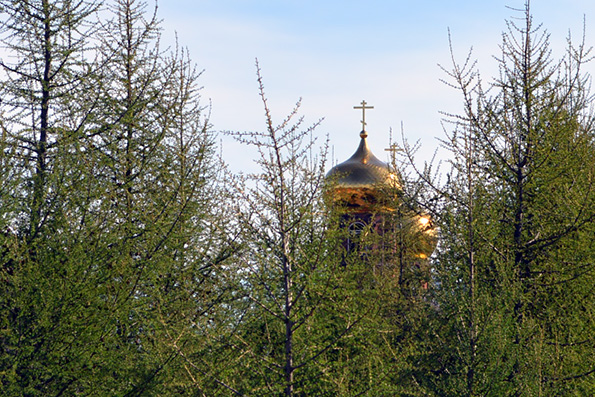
362	170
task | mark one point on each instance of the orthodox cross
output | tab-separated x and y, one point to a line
363	108
393	147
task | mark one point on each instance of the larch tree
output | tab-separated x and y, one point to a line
515	268
157	175
43	292
296	309
111	243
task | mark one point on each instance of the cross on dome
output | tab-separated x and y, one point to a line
363	134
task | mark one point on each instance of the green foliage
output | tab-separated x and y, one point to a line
515	265
131	263
289	264
111	246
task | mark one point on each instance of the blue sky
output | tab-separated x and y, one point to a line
333	54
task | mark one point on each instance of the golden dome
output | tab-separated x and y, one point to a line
362	170
360	183
364	189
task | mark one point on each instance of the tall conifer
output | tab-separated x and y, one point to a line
515	268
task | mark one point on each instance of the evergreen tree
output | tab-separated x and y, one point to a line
515	265
43	300
296	310
111	245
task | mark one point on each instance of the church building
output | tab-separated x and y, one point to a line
369	194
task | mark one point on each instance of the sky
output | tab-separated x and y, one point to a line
335	53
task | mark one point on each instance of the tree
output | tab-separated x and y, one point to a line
48	72
295	310
41	122
515	264
112	247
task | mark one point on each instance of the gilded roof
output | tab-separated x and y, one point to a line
362	170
